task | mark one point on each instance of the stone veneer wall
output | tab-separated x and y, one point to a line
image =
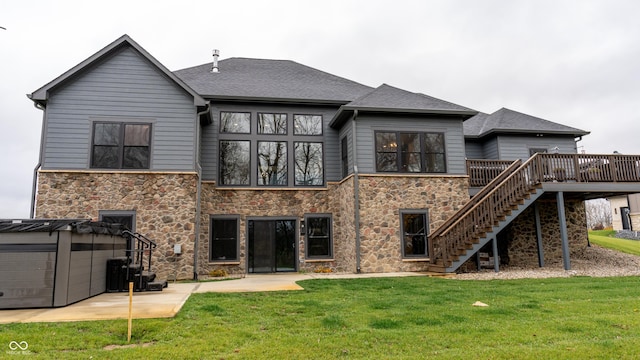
164	203
520	236
381	198
278	203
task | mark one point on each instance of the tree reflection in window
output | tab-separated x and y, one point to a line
414	233
234	162
235	122
308	163
272	163
307	124
272	123
118	145
434	153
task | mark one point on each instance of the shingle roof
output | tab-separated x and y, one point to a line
387	98
509	121
390	98
271	80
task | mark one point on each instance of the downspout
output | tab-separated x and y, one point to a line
34	184
356	190
198	193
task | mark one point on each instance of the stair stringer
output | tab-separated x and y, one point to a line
494	231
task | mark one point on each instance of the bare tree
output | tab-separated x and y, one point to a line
598	214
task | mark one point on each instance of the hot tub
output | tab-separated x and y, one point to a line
53	263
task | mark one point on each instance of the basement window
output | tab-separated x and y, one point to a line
223	245
413	230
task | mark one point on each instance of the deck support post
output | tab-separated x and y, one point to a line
563	230
496	258
536	212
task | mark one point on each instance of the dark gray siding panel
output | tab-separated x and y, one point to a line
210	137
473	150
124	87
491	151
368	124
517	147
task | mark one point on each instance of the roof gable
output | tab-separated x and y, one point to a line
514	122
42	94
276	80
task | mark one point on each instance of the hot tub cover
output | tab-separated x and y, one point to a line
81	226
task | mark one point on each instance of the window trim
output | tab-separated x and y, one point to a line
121	145
424	212
211	233
398	152
306	236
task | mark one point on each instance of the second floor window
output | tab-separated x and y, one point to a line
410	152
119	145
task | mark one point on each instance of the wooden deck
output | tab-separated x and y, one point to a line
510	187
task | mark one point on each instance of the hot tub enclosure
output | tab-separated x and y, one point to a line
53	263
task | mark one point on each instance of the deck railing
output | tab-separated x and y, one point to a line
481	172
488	208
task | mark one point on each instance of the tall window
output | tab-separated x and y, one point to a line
410	152
307	124
319	243
223	245
118	145
414	228
234	162
272	163
270	149
272	123
235	122
308	162
344	154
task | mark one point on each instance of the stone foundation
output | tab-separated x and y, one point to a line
381	198
336	199
164	205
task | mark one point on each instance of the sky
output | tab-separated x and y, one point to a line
568	61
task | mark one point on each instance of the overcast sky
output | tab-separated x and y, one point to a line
572	62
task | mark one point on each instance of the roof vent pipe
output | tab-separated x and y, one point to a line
216	53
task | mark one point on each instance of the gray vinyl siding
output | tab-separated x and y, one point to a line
491	151
517	147
124	87
473	150
211	137
367	125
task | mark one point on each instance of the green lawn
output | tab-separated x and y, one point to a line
377	318
604	238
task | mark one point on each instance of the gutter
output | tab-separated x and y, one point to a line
198	192
34	185
356	192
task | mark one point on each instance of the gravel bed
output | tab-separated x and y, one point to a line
593	261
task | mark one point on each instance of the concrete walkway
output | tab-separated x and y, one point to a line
169	301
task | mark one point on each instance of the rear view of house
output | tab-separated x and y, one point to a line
254	165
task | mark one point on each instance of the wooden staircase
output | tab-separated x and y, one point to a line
512	191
